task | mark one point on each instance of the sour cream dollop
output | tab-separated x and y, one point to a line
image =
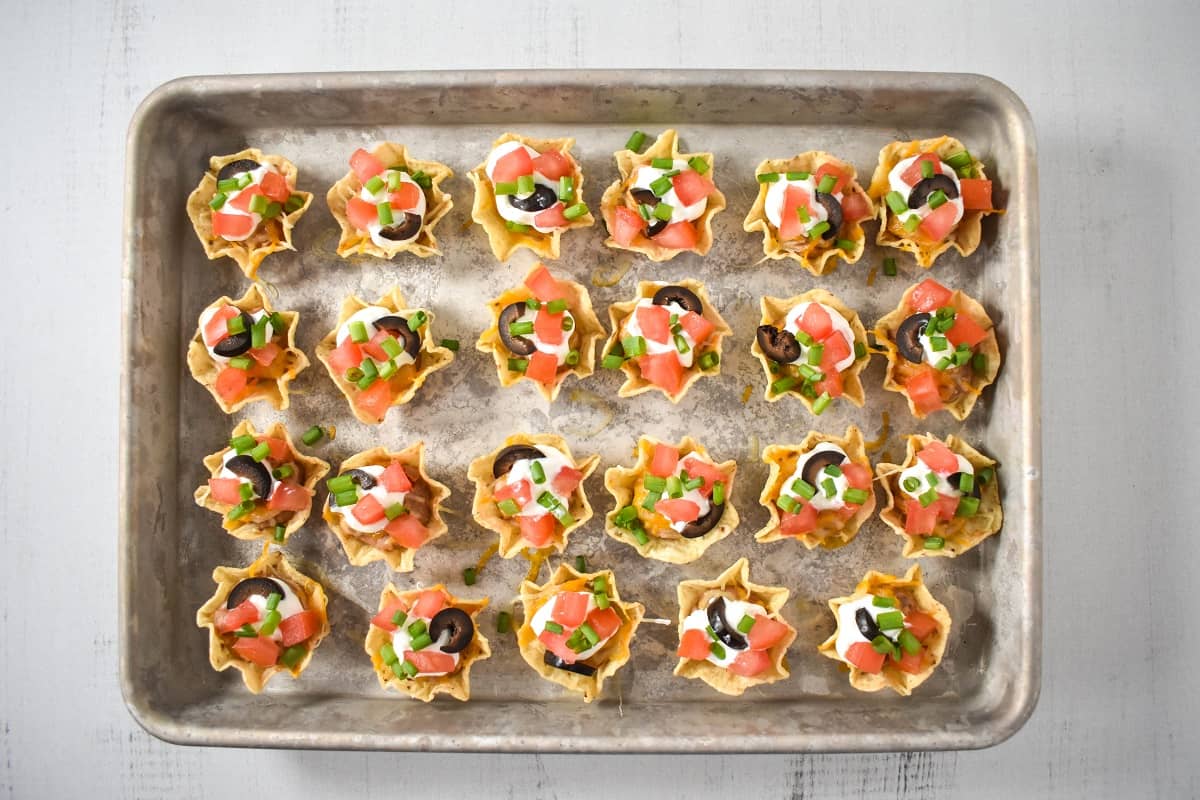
777	198
545	614
256	176
922	472
208	314
840	325
368	317
503	205
289	605
896	184
633	328
553	461
821	501
379	492
644	176
734	611
375	198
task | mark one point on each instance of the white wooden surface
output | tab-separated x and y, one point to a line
1111	87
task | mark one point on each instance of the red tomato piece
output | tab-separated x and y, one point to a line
557	643
912	175
538	531
429	603
275	187
406	197
384	618
664	461
857	476
365	165
929	295
361	213
266	354
694	645
655	322
431	661
976	194
542	367
280	452
242	201
837	172
855	208
697	327
520	492
604	621
627	225
766	632
227	620
217	327
909	662
374	346
346	355
290	496
831	383
663	370
395	479
407	531
801	521
258	650
965	330
922	389
920	625
835	349
750	663
566	480
945	506
548	327
231	226
553	165
375	399
939	458
299	627
543	285
678	510
692	187
552	217
570	609
863	656
919	520
677	236
940	222
790	224
225	490
709	472
368	509
512	165
816	322
232	384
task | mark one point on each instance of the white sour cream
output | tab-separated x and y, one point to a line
679	212
560	350
367	317
897	184
734	611
791	323
207	315
289	606
503	206
777	196
402	643
226	472
381	197
694	495
921	472
545	614
633	328
256	176
552	462
379	492
820	501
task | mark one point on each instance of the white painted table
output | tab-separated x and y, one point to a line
1111	88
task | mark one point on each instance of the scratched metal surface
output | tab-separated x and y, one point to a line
988	681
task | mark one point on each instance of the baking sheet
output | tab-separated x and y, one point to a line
984	689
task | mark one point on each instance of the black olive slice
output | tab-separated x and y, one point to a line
579	668
404	230
685	298
236	343
644	197
955	477
235	167
816	464
542	198
259	476
263	587
458	622
698	527
517	345
866	624
727	633
419	499
362	479
927	186
511	455
908	337
778	344
655	227
833	209
398	326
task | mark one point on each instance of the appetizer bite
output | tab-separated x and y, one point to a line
261	485
245	207
530	491
664	201
384	506
890	632
264	619
527	194
731	633
944	499
577	630
812	346
673	503
810	209
423	642
818	492
380	354
389	203
931	195
543	330
245	351
665	339
941	350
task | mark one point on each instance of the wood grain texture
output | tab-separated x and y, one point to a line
1111	88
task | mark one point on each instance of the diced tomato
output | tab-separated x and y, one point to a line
627	225
290	496
837	172
678	510
266	354
677	236
835	348
368	509
552	217
831	383
790	224
855	208
543	285
346	355
919	520
538	531
365	165
374	346
922	389
384	618
217	327
929	295
940	222
375	399
570	608
847	511
566	480
655	322
225	490
945	506
857	476
801	521
909	662
512	165
865	657
549	327
976	194
361	213
766	632
557	643
231	226
553	164
257	650
965	330
429	603
663	370
664	461
542	367
816	322
697	327
692	187
407	531
694	645
912	175
406	197
299	627
280	452
709	472
395	479
275	187
429	660
232	384
750	663
520	492
242	201
920	624
604	621
939	458
227	620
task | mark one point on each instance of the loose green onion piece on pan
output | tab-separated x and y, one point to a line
928	497
644	211
259	203
660	186
912	223
767	177
890	620
449	344
787	503
662	163
718	493
654	483
395	510
681	344
883	602
280	533
967	507
985	475
860	350
829	487
576	211
911	484
966	482
417	320
537	472
926	168
822	403
804	338
639	533
663	211
804	488
937	198
566	188
505	187
240	362
797	176
855	496
699	164
313	435
979	363
391	347
709	360
553	626
516	226
803	214
509	507
369	369
814	354
294	203
228	185
235	325
611	362
781	385
634	346
217	201
518	365
293	655
388	653
374	185
246	491
246	632
601	600
421	179
409	669
520	328
745	623
399	617
358	332
826	185
960	159
580	564
717	649
503	622
896	202
909	643
816	230
342	483
934	543
847	244
270	623
556	306
943	363
346	499
938	343
635	141
572	358
626	515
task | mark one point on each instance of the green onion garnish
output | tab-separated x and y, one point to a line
938	343
787	503
652	499
533	304
745	623
847	244
280	533
258	333
525	184
358	332
293	655
547	500
243	443
699	164
644	211
217	201
909	643
809	373
517	365
399	617
421	642
520	328
959	160
635	141
943	363
394	179
576	211
509	507
311	437
246	491
611	362
803	214
883	602
967	507
830	487
391	347
962	354
260	451
589	633
985	475
889	267
516	226
601	600
663	211
979	363
244	180
572	358
273	210
626	515
767	177
709	360
804	338
912	223
294	203
259	203
235	325
855	496
934	543
814	354
927	497
797	176
675	487
816	230
822	403
408	668
634	346
717	649
506	187
228	185
654	483
421	179
503	622
388	653
718	493
417	628
346	499
395	510
662	163
911	484
860	350
694	483
566	189
896	202
890	620
639	533
599	584
966	482
270	623
826	185
246	632
553	626
369	369
556	306
417	320
339	484
926	168
781	385
580	564
681	344
660	186
387	369
374	185
882	644
937	198
450	344
804	489
537	472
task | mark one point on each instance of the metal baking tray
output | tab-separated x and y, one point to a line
984	690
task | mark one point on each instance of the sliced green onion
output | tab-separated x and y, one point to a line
662	163
505	187
966	482
883	602
959	160
967	507
927	497
911	484
644	211
804	338
652	499
830	487
699	164
943	363
525	184
803	214
938	343
694	483
369	370
235	325
537	472
962	355
718	493
394	179
717	649
882	644
860	350
258	333
985	475
518	365
675	487
395	510
639	533
516	227
374	185
228	185
589	633
797	176
509	507
246	491
391	347
787	503
408	668
417	628
611	362
346	499
399	617
966	172
979	363
926	168
556	306
937	198
663	211
932	479
533	304
654	483
909	643
709	360
855	496
635	141
745	624
827	183
572	358
388	653
767	177
553	626
272	211
896	202
814	354
822	403
912	223
934	543
580	564
421	642
244	180
809	373
576	211
416	320
547	500
312	436
259	203
681	344
421	179
847	244
339	484
387	369
889	267
660	186
626	515
242	444
890	620
816	230
280	533
601	600
781	385
566	189
270	623
260	451
294	203
449	344
520	328
217	201
246	632
503	622
633	346
293	655
804	489
358	332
